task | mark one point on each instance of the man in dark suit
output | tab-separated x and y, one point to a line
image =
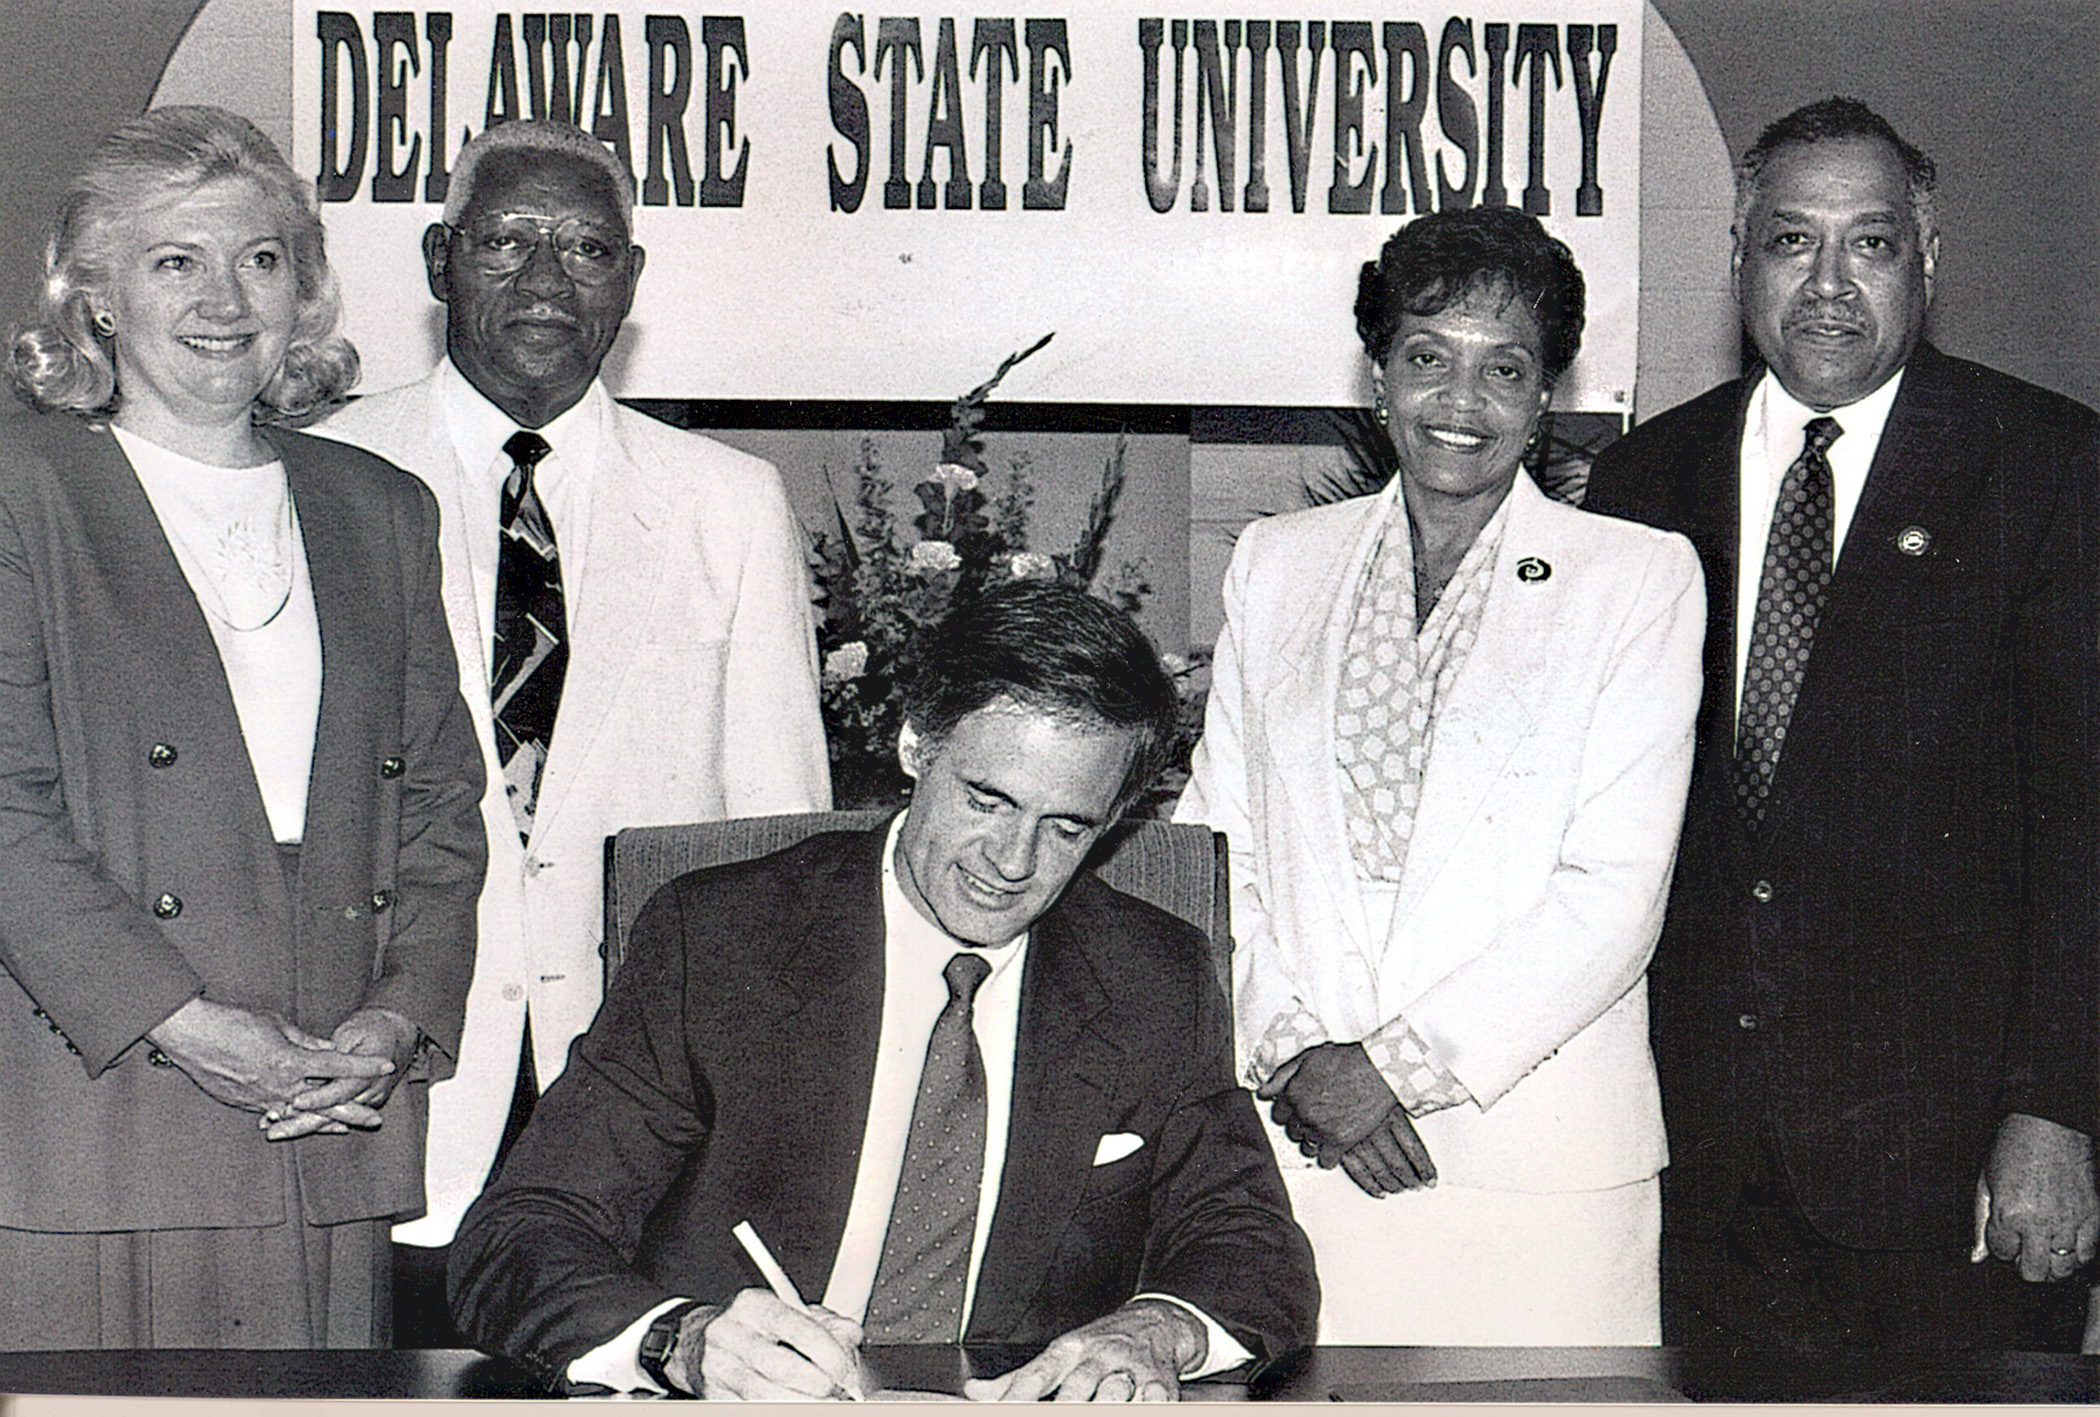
1875	994
1047	1148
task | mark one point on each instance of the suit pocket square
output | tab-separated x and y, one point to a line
1115	1146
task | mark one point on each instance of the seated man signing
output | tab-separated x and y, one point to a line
964	1090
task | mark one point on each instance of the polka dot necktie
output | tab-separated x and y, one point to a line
919	1281
1798	563
532	635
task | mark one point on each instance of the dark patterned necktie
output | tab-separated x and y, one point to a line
918	1292
532	635
1798	564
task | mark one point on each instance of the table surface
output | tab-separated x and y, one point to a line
1615	1375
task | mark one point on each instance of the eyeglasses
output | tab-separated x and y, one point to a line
504	244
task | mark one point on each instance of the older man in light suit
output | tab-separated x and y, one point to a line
648	582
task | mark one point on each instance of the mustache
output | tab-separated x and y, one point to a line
1823	313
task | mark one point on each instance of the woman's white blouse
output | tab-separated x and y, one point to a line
236	537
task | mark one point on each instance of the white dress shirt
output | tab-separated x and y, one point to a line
915	951
914	991
1774	428
563	480
236	537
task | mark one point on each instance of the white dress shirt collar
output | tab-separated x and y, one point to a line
566	480
479	430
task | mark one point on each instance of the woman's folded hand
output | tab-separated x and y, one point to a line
258	1062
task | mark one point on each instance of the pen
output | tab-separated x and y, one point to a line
776	1278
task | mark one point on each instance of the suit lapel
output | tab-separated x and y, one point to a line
1298	704
1920	467
828	989
149	593
454	515
607	622
1494	700
1065	1072
340	583
1710	515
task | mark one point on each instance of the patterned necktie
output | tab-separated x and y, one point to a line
918	1292
532	649
1798	563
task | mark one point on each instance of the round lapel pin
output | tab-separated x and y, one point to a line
1913	540
1531	568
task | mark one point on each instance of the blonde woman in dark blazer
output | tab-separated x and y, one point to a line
239	839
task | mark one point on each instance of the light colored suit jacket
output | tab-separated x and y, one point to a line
1534	885
691	694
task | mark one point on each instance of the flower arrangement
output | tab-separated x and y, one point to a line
880	579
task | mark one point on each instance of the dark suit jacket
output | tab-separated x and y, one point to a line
124	782
727	1076
1906	952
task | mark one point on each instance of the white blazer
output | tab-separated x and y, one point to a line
1535	881
691	694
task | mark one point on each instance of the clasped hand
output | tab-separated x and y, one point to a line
258	1062
1333	1103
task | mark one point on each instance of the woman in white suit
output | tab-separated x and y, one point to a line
1449	736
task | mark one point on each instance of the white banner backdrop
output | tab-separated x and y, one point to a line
862	206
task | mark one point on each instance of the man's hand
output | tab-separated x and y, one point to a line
1327	1099
1392	1158
256	1062
1135	1354
763	1348
353	1101
2035	1202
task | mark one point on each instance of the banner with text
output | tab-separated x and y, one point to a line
854	205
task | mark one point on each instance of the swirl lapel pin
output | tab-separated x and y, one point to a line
1531	568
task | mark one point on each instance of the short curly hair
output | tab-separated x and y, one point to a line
59	361
1436	261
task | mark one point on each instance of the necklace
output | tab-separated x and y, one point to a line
245	562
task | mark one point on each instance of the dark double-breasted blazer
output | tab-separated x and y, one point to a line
727	1078
1905	952
137	864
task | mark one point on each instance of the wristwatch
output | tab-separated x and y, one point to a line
658	1342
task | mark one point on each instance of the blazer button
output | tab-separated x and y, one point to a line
391	768
161	755
168	906
381	900
1762	892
